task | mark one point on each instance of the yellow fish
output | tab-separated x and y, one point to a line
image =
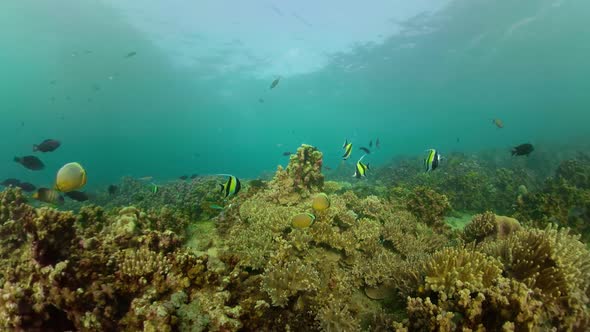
347	150
48	196
70	177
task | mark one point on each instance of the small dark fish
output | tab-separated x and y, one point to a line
68	98
523	150
275	82
377	144
96	87
287	153
260	100
367	151
22	123
47	145
25	186
112	189
184	177
48	196
327	168
77	196
371	144
194	176
457	139
52	82
31	162
10	182
131	54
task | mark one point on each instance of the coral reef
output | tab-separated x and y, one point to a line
564	199
488	226
428	206
531	280
376	257
302	177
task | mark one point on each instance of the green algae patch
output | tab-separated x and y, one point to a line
459	220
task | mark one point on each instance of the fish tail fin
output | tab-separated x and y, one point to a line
35	147
368	166
345	142
222	187
17	159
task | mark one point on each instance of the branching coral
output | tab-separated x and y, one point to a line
451	270
428	206
302	177
552	263
285	277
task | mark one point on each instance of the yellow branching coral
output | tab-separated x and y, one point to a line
283	280
251	238
480	227
453	269
413	240
336	317
142	263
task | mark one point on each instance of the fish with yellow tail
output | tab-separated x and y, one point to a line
432	160
361	168
70	177
48	196
231	187
347	149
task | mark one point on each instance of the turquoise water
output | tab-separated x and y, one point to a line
429	80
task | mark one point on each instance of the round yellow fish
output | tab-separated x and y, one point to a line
302	220
320	202
71	176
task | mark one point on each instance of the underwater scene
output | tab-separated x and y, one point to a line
266	165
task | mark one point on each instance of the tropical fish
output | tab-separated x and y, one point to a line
377	144
216	207
47	145
432	160
287	153
112	189
320	202
31	162
371	144
302	220
347	150
70	177
361	169
10	182
154	189
77	196
131	54
367	151
48	196
275	82
327	168
184	177
523	150
231	187
25	186
498	122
